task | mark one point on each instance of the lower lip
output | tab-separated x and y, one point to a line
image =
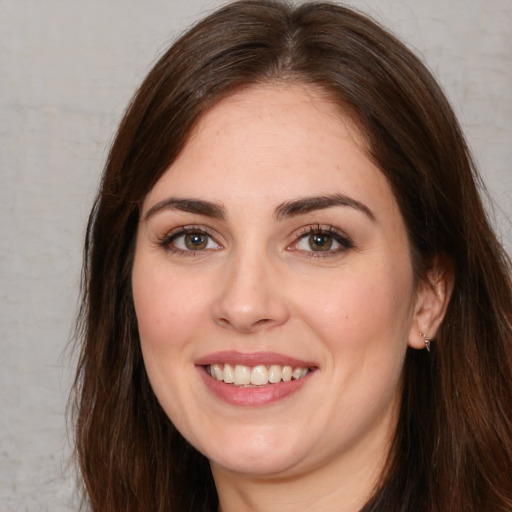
251	396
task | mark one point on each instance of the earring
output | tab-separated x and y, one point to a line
427	341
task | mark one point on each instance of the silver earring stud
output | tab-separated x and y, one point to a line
427	341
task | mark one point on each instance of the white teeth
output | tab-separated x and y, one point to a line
216	371
259	375
287	373
228	375
274	374
242	375
297	373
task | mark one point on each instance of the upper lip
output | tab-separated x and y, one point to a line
253	359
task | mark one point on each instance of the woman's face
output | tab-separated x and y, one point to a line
273	289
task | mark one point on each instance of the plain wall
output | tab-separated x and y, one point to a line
67	71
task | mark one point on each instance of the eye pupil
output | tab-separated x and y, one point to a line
195	241
320	242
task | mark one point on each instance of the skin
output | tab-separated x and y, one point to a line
259	285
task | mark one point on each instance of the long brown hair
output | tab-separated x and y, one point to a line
453	445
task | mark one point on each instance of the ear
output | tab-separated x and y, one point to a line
432	298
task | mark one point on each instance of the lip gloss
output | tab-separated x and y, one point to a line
252	396
233	358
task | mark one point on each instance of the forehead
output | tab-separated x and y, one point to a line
279	107
272	141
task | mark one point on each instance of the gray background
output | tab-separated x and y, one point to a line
67	71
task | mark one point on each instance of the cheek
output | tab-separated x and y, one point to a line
364	307
167	308
167	318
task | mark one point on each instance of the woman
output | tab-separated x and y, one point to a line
292	296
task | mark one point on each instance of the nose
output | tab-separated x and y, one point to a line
251	297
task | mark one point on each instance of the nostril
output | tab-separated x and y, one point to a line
243	326
223	322
263	321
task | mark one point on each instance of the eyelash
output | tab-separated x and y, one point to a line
167	240
344	241
339	237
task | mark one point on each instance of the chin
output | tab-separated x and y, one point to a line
256	454
263	465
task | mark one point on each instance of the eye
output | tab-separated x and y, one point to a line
322	240
317	242
190	240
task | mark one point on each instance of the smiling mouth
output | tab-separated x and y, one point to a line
255	376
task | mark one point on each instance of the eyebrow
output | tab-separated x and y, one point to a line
197	206
284	210
312	203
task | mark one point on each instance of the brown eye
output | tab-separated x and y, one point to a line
191	241
326	241
320	241
196	241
